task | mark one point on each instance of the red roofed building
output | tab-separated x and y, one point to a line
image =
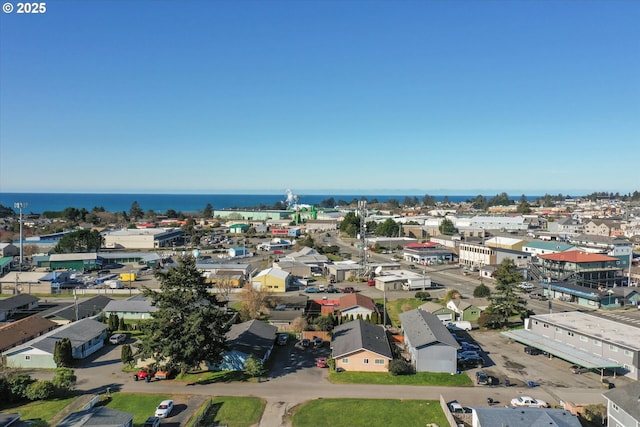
587	269
355	304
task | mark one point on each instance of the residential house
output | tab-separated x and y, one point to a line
273	280
465	309
253	338
82	310
445	314
429	343
518	416
21	304
355	304
224	274
16	333
584	339
135	308
87	336
98	416
604	227
308	256
361	346
623	406
565	226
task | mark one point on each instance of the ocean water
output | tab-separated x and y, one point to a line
41	202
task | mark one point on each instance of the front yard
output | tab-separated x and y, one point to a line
386	378
142	406
235	411
39	412
366	412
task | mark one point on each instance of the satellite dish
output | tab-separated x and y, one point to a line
195	253
378	270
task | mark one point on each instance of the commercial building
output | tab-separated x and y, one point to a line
148	238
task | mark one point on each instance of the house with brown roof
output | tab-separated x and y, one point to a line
355	305
16	333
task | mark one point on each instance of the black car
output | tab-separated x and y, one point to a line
482	378
532	351
152	422
470	362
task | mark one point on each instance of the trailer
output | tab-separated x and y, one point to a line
416	284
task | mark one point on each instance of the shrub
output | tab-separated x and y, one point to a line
40	390
18	385
64	381
481	291
126	354
423	295
400	367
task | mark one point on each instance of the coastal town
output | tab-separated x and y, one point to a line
491	311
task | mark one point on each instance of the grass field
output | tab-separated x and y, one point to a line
367	412
400	305
209	377
235	411
39	412
419	378
142	406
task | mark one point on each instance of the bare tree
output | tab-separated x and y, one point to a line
253	301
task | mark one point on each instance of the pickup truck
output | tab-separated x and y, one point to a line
538	296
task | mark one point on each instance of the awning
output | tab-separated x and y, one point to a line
563	351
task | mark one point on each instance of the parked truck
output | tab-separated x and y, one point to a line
128	277
114	284
417	284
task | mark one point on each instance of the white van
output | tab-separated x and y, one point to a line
117	339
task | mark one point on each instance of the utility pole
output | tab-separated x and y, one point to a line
20	206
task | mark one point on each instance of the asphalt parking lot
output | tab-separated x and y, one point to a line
293	358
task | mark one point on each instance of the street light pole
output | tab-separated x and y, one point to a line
20	206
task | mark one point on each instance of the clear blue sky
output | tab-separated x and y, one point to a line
377	97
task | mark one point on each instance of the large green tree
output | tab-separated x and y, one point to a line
350	225
387	228
135	212
80	241
446	227
188	328
62	352
507	300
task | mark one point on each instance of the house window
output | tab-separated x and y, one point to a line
613	348
597	343
365	361
583	338
27	357
628	353
345	360
379	361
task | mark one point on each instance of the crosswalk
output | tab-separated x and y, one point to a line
622	318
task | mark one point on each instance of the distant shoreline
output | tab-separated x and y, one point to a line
116	202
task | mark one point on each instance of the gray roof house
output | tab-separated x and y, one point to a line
533	417
253	338
137	307
86	335
361	346
87	308
16	304
430	344
623	405
100	416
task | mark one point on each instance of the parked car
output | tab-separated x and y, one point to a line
457	408
118	338
532	351
529	402
469	354
578	369
539	296
283	339
527	287
348	290
305	342
321	362
152	422
482	378
144	374
470	362
312	290
317	342
468	346
164	409
371	282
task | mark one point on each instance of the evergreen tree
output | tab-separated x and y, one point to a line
113	322
135	212
62	352
446	227
507	301
126	354
481	291
188	328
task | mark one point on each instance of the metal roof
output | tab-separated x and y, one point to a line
563	351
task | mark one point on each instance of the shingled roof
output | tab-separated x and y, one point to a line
359	335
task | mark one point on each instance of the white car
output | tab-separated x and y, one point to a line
529	402
164	409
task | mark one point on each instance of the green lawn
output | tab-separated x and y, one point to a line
142	406
400	305
39	412
235	411
419	378
366	412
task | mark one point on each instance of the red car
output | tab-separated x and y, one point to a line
371	283
321	362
